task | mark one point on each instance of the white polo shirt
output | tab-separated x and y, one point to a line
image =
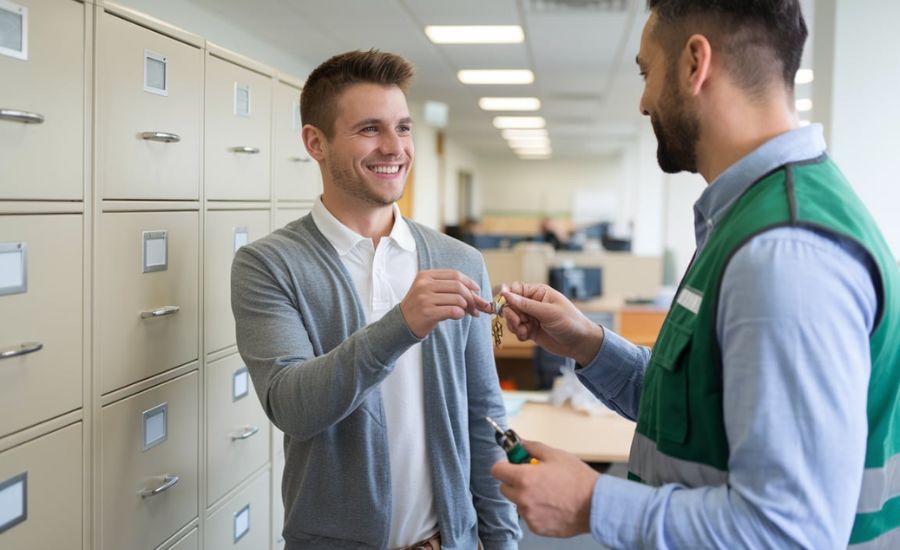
382	278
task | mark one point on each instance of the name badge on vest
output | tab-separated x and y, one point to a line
690	299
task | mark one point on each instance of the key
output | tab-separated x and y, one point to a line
497	321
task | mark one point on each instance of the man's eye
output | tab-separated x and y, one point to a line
370	129
404	129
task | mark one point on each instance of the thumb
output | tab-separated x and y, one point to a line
537	449
539	310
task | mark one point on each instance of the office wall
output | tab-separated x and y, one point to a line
457	158
860	67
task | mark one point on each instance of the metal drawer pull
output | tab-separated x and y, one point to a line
169	481
164	137
245	149
246	434
21	116
161	312
300	159
22	349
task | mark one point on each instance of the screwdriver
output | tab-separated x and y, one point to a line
511	443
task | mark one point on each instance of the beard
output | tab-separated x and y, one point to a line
351	184
676	136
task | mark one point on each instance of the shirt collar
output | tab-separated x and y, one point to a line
343	239
715	201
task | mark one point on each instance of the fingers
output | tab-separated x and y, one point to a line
541	311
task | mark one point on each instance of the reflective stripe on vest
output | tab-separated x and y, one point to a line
655	468
879	486
887	541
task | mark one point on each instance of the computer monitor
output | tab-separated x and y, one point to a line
577	283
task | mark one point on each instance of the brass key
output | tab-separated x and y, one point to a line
497	321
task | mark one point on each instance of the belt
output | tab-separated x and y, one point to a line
431	543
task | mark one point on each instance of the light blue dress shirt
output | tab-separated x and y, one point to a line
794	317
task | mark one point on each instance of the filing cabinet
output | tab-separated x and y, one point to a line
149	113
237	439
149	461
243	521
191	541
238	128
285	214
226	231
295	173
42	99
148	305
277	502
41	492
41	328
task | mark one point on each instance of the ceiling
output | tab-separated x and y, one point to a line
581	52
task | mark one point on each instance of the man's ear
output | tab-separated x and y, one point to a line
695	63
315	141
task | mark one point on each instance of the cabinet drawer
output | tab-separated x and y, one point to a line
238	429
238	122
41	492
296	174
43	160
243	522
146	441
277	502
40	297
226	231
148	266
150	106
191	541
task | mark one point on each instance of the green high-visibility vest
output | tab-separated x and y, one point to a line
681	431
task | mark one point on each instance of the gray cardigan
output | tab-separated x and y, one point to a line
317	366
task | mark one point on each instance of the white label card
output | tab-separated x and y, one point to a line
156	68
155	251
240	384
13	501
241	237
12	268
241	99
13	30
155	425
241	523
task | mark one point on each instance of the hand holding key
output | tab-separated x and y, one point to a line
439	294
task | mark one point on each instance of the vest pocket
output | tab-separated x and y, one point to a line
672	419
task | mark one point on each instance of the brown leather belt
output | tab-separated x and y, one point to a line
431	543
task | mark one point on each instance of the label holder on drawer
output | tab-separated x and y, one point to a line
241	522
241	237
13	501
241	99
156	73
156	425
240	384
156	251
13	30
13	272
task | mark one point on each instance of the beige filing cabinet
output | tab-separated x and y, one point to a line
149	112
296	174
238	127
191	541
42	96
277	502
243	521
226	231
148	308
149	462
237	439
41	328
41	492
286	213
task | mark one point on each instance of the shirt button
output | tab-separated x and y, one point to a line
709	224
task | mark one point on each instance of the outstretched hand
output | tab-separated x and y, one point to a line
540	313
439	294
553	496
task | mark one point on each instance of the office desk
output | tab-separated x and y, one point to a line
603	438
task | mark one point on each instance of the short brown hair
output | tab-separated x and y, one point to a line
318	100
761	40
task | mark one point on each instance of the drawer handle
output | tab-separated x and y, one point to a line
22	349
245	149
161	312
164	137
246	434
300	159
21	116
169	481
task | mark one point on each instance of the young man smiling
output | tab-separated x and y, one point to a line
362	334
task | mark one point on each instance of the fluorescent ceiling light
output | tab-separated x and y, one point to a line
804	76
504	76
475	34
509	103
517	133
533	150
529	141
534	157
804	105
503	122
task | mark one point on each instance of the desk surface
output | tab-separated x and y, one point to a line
603	438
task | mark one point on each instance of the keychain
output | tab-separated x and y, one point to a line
497	321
